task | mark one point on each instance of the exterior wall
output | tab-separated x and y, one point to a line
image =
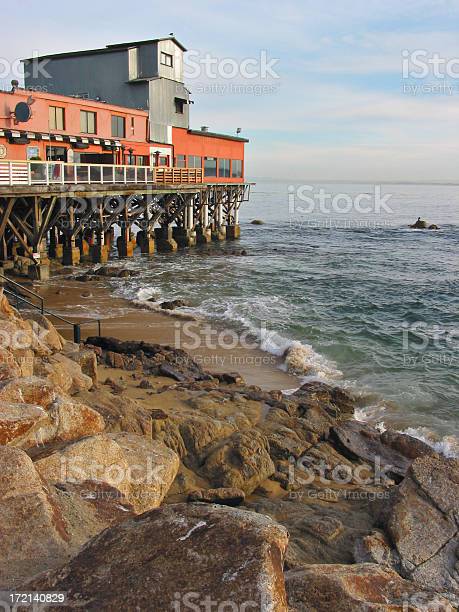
103	75
162	109
135	139
209	146
175	73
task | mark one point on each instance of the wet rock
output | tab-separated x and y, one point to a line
334	400
113	271
257	222
196	551
409	447
230	378
433	227
419	224
224	496
240	461
360	440
357	588
152	356
173	304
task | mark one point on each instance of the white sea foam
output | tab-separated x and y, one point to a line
447	446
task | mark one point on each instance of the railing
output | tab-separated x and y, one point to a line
15	292
60	173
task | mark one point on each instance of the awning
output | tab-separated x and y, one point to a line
25	137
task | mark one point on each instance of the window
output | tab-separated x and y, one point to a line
133	60
224	168
194	161
88	122
166	59
56	154
236	165
179	105
180	161
210	166
142	160
118	126
56	118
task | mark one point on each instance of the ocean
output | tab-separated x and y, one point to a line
336	282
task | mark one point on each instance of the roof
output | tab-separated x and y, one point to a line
107	49
215	135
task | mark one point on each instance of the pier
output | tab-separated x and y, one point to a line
69	212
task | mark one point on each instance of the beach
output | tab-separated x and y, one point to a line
119	318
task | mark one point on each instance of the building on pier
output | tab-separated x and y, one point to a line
109	128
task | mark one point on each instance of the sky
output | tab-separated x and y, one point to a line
324	90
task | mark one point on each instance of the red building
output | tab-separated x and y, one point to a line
52	127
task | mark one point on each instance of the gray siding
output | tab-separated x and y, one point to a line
162	109
103	76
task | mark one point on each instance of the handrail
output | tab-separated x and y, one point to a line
43	310
3	279
63	173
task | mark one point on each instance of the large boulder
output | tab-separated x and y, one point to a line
65	373
119	413
356	588
175	556
322	405
66	420
422	521
49	334
16	420
359	440
141	470
241	461
33	532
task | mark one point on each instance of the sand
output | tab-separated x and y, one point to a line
84	301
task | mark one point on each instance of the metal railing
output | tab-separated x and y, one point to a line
15	291
61	173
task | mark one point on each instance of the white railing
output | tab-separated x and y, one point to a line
60	173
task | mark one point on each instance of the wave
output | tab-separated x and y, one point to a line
447	445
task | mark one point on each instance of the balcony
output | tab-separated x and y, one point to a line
59	173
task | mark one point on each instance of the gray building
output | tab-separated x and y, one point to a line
146	74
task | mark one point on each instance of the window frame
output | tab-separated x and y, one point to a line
226	171
52	114
178	163
85	114
115	132
192	164
165	58
179	104
239	173
206	170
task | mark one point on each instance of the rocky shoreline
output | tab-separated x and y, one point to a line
131	478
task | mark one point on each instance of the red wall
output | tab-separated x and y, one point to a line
184	143
208	146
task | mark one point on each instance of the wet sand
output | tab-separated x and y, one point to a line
215	351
